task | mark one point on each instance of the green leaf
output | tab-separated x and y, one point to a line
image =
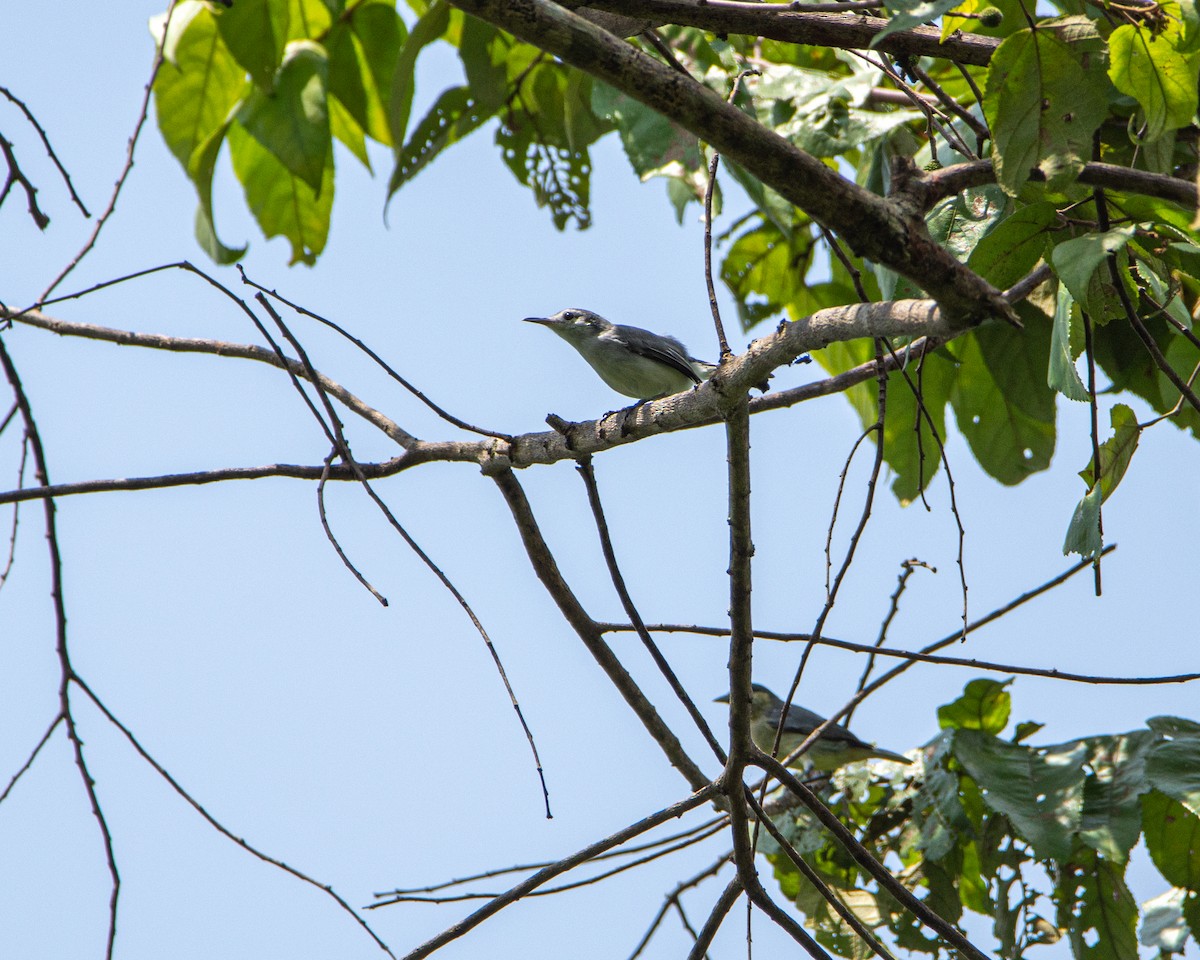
1115	452
1043	104
1174	726
429	27
1039	790
282	203
1173	767
1083	533
1014	246
196	89
1112	814
765	271
194	95
1096	908
363	51
1001	402
200	169
1062	374
346	130
654	145
292	122
1172	833
1081	265
1153	70
985	705
453	116
255	32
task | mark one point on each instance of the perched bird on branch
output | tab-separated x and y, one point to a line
835	747
631	360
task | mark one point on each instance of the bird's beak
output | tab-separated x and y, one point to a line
723	698
545	321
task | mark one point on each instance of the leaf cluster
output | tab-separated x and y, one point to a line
1037	838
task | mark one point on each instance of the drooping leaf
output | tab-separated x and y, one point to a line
1081	264
1115	452
282	203
1062	374
1083	532
363	52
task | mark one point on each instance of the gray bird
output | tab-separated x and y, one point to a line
835	747
631	360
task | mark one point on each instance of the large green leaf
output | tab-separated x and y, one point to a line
292	122
1172	833
1040	790
1043	104
765	270
1001	401
1151	66
282	203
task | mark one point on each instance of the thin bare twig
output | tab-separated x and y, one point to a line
32	756
530	884
588	474
20	104
379	361
143	112
333	429
220	827
329	534
720	909
672	899
66	670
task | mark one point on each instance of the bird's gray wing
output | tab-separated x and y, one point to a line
666	350
804	721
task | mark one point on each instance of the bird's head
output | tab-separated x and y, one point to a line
573	324
761	700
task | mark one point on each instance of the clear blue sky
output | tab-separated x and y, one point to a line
373	748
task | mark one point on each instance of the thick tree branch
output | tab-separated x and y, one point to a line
875	228
904	319
778	22
934	186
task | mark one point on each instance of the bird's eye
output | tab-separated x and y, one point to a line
569	315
